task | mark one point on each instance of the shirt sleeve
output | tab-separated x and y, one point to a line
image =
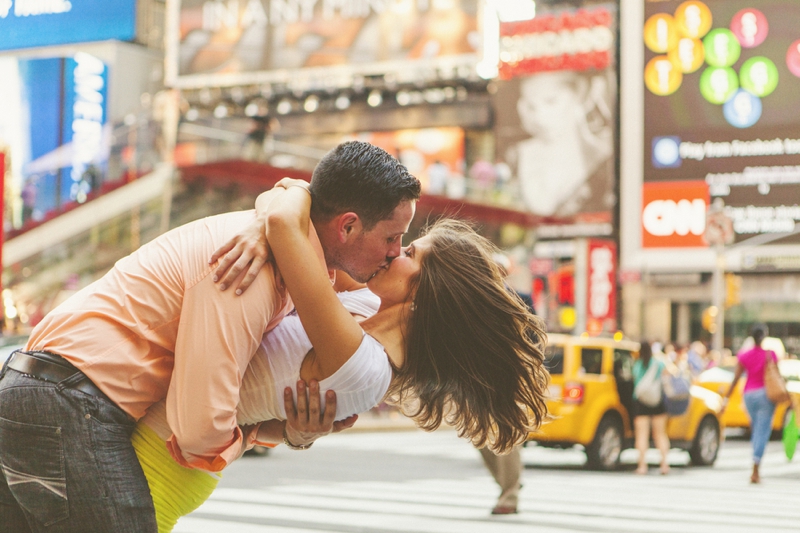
217	336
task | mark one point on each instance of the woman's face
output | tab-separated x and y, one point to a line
392	283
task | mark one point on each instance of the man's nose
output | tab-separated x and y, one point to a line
394	251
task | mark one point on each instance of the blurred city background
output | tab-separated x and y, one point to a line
638	161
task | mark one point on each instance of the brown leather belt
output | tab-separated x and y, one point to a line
52	368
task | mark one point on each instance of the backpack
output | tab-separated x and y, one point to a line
648	391
676	392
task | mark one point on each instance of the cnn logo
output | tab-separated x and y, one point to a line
674	214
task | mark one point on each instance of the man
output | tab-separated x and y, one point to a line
156	327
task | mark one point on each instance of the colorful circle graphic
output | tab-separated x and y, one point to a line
693	19
662	76
743	110
722	48
660	33
793	58
750	27
689	54
718	84
759	76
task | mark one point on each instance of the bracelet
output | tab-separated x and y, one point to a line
294	446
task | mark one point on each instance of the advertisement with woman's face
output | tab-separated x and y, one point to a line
555	130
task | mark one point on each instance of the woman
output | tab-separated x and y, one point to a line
448	343
646	416
759	407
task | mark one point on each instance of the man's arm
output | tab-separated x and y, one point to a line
217	335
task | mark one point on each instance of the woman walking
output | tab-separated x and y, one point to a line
647	371
760	409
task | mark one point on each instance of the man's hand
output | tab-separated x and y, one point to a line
304	422
247	250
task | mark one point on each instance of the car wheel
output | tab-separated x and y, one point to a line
604	451
706	443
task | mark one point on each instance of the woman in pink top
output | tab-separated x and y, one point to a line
759	407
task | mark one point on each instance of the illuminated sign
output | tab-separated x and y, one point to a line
237	41
674	214
722	82
601	286
570	40
30	23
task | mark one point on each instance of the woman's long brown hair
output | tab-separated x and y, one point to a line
474	351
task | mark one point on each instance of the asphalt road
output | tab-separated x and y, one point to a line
409	481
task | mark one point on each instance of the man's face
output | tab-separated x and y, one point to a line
369	251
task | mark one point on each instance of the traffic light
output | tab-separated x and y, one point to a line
733	290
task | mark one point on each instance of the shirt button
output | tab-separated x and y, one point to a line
87	416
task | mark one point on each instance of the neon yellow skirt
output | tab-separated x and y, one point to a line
176	490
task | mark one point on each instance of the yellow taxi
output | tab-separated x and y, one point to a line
718	379
590	398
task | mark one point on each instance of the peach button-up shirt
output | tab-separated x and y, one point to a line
155	326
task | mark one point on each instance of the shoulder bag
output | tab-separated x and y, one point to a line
774	382
648	390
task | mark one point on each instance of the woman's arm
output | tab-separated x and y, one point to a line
333	332
736	376
249	249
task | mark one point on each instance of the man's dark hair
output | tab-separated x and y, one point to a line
362	178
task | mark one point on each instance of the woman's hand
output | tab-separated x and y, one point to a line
247	250
304	422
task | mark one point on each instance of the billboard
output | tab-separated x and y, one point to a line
30	23
722	82
55	126
243	41
555	118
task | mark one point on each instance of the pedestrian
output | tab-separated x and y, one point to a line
759	408
155	327
650	413
436	285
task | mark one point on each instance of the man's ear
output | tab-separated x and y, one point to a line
348	225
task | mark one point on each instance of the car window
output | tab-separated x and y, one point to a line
592	360
554	359
623	365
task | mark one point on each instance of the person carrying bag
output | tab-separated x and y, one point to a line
649	408
757	362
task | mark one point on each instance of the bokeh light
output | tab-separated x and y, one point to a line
660	33
743	110
759	76
693	19
718	84
662	76
722	48
689	55
750	26
793	58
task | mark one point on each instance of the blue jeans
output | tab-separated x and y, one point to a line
67	464
761	412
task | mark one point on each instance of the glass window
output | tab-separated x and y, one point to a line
592	360
623	365
554	359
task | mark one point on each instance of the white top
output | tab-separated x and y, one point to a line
360	384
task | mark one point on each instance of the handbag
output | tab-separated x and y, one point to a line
676	392
774	382
648	390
